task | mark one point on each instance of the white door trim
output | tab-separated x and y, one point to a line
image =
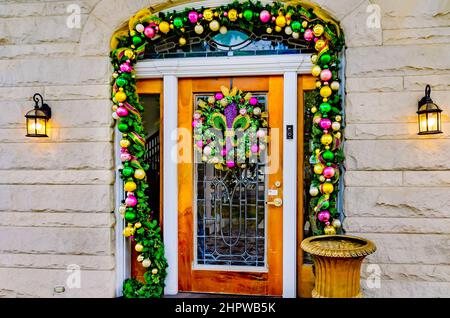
171	69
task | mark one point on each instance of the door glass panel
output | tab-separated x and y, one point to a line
230	212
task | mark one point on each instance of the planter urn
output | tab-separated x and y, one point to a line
337	262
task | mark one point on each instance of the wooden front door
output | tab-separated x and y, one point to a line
230	236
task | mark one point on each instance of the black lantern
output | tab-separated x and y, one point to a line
38	117
429	115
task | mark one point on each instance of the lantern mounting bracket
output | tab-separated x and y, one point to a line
44	107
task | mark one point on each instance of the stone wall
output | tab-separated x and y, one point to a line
57	194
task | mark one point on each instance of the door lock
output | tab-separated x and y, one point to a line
276	202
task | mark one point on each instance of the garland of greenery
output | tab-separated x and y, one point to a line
288	21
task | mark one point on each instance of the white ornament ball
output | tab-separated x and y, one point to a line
140	258
288	30
313	191
256	111
146	262
199	29
223	30
336	223
296	35
140	28
114	115
334	86
335	126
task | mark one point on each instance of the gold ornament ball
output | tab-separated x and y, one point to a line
129	53
146	263
278	29
335	85
138	225
164	27
338	135
314	58
314	109
338	118
269	30
139	174
329	230
211	100
128	231
138	247
199	29
232	15
318	30
214	25
208	14
327	188
154	271
335	126
304	24
125	143
315	71
325	91
319	45
280	21
296	35
114	108
318	84
224	102
182	41
121	96
130	186
326	139
318	168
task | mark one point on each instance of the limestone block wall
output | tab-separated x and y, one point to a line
57	194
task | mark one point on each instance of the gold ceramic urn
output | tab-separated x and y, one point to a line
337	261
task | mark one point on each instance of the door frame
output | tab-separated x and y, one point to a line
290	66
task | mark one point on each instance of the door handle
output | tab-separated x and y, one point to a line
276	202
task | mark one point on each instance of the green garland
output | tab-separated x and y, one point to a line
291	22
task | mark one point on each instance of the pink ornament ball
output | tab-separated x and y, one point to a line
225	14
149	32
242	111
254	148
207	150
273	19
323	216
325	75
193	17
253	101
200	143
325	123
125	67
309	35
230	164
131	200
125	157
195	123
122	112
218	96
328	172
264	16
260	134
223	152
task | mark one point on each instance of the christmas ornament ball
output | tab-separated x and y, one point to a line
130	216
223	30
122	127
313	191
248	15
208	14
318	168
125	143
326	188
329	230
193	17
199	29
324	216
139	174
325	91
296	26
130	186
308	35
138	247
318	30
131	201
315	71
335	126
154	271
146	263
325	75
314	58
121	96
140	28
328	172
325	58
334	85
325	107
149	32
140	258
127	171
325	123
264	16
182	41
328	155
164	27
336	224
137	225
326	139
214	25
280	21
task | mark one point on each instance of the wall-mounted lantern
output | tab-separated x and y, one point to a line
429	115
38	117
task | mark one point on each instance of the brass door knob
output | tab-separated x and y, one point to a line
276	202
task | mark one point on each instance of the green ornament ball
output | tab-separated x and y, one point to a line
296	26
127	171
123	128
325	205
130	216
137	40
325	107
121	82
178	23
328	155
248	15
325	59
